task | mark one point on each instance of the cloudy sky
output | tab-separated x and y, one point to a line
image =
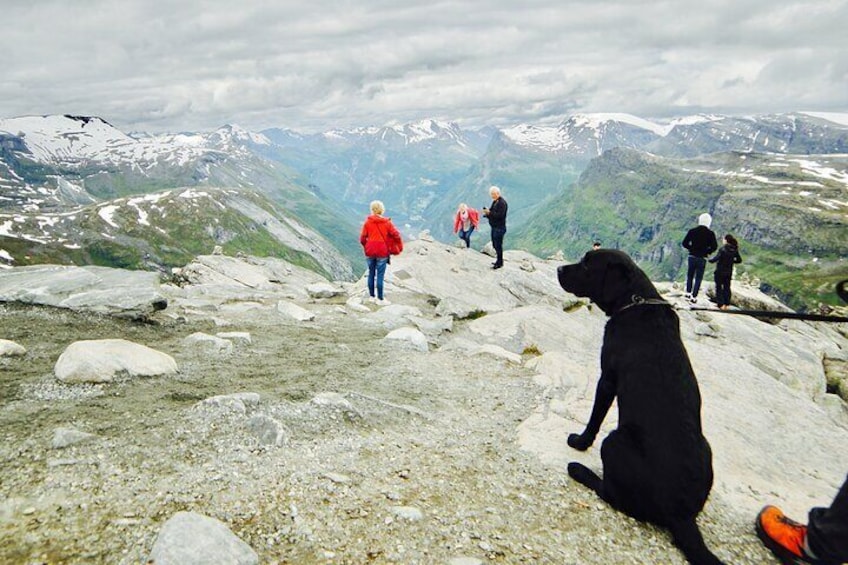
157	65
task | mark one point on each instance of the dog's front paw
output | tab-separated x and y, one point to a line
580	442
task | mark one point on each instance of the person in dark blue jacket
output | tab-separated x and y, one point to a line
700	242
726	257
497	220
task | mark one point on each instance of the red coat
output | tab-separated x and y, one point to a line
472	215
380	237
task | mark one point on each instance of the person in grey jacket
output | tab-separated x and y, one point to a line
700	241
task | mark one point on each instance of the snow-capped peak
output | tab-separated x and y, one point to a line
72	140
51	138
411	132
239	134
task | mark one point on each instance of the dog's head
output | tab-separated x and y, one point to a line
607	277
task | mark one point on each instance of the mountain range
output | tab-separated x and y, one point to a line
76	189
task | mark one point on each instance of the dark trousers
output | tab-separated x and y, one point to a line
695	274
722	289
497	243
827	529
466	236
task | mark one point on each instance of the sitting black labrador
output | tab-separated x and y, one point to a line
657	464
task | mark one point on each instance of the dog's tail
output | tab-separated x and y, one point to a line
688	538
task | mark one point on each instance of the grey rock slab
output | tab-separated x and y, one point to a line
210	343
266	430
188	538
236	402
115	292
102	360
324	290
295	312
409	337
66	437
242	338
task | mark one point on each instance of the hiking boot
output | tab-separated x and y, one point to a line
784	537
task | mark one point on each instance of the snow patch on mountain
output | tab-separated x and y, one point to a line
597	121
540	137
107	213
835	117
579	129
411	133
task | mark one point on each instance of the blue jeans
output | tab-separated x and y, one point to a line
466	236
497	242
376	266
695	274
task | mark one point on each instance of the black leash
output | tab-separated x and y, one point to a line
773	314
841	292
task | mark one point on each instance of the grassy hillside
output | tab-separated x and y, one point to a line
154	232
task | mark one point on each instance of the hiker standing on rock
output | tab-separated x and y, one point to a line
726	257
497	220
380	240
700	241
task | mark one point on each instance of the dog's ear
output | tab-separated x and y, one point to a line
617	282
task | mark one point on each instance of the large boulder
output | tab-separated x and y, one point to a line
102	360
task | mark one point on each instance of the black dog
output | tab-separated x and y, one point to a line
657	464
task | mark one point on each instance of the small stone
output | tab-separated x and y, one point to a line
407	513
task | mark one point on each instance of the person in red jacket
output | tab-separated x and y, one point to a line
380	239
465	223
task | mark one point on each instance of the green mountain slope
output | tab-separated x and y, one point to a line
526	178
789	213
168	229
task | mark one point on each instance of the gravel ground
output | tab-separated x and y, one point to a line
420	465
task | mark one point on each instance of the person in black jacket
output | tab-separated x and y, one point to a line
726	257
497	220
700	242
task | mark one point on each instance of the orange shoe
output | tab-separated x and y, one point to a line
784	537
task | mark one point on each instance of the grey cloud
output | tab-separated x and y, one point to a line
321	64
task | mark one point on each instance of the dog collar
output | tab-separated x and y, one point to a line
637	300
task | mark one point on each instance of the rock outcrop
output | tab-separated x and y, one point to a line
114	292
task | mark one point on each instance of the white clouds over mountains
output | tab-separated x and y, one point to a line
156	65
